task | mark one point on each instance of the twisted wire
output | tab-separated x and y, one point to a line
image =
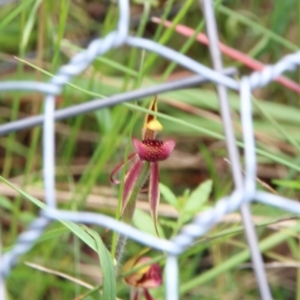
47	88
24	243
205	221
269	73
84	59
92	105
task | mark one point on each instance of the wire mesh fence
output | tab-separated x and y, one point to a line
245	188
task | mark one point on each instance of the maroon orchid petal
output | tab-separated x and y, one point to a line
130	181
147	295
153	150
136	295
147	277
131	157
134	181
152	278
154	194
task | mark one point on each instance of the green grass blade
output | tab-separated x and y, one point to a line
108	273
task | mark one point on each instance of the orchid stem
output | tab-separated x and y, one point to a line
129	210
121	243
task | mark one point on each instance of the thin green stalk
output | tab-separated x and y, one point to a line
64	9
100	157
237	259
168	33
187	45
70	147
29	26
10	141
26	29
19	10
166	13
116	251
282	131
36	108
258	28
129	210
110	20
257	49
285	134
134	52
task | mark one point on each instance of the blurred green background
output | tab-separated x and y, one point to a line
39	36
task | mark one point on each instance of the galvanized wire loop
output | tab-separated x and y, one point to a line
270	73
205	221
24	243
248	137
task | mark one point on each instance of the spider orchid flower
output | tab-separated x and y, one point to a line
145	278
144	164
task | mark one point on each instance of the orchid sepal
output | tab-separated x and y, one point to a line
134	182
151	124
119	167
154	194
147	277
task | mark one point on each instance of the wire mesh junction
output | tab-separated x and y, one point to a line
245	189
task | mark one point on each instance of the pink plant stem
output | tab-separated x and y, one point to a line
230	52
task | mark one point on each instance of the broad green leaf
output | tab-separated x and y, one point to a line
108	273
37	202
168	195
80	233
144	222
54	232
26	216
5	203
196	200
293	184
168	223
76	229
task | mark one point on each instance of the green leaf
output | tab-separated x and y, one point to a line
93	240
108	273
5	203
293	184
37	202
29	25
26	216
76	229
55	232
144	222
168	195
196	200
81	233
